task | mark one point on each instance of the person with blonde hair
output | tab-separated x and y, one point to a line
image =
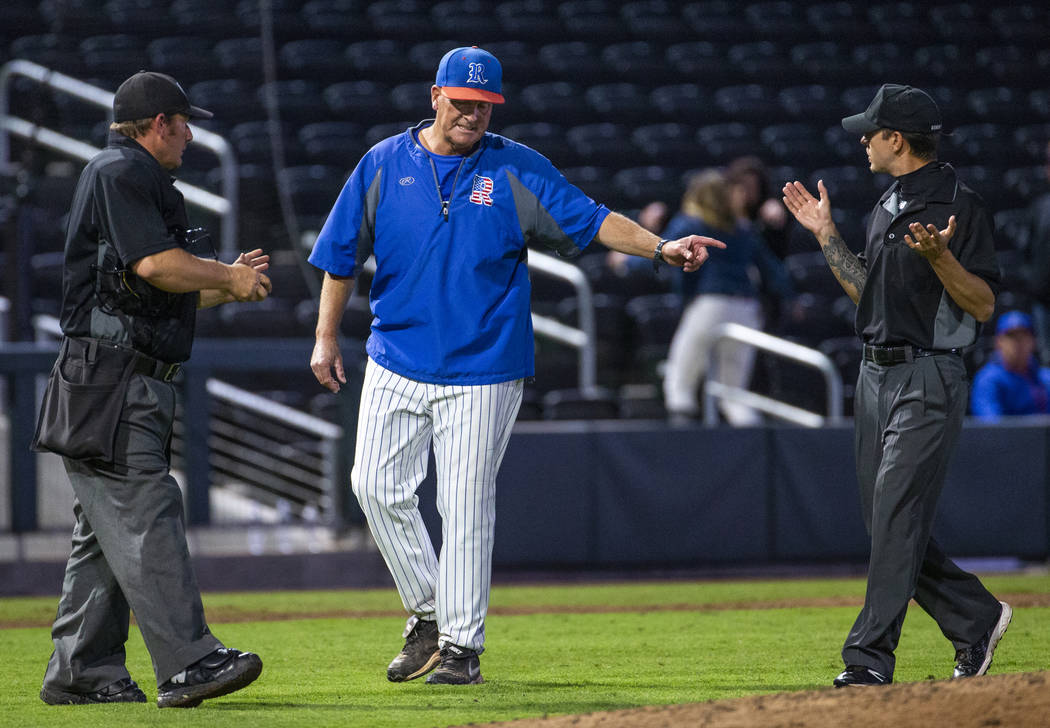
725	290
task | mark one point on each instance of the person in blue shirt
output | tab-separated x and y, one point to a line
724	291
449	211
1012	382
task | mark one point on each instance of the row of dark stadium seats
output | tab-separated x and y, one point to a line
659	20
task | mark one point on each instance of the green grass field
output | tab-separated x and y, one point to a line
542	658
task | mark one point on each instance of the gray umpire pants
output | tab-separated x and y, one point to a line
908	417
129	552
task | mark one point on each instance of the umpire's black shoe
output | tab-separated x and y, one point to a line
215	674
977	658
858	676
420	654
122	691
459	666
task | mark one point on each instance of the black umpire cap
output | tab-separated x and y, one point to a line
149	93
897	107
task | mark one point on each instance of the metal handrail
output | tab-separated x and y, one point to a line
585	338
715	390
226	205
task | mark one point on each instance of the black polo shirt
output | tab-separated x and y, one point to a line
903	301
124	196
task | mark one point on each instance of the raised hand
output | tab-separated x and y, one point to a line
812	213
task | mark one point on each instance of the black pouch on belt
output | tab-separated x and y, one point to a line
84	400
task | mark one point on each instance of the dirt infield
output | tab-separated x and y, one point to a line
1010	701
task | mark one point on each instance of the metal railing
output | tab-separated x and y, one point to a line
225	205
715	390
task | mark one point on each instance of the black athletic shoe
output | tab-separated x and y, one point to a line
977	658
459	666
215	674
858	676
122	691
420	654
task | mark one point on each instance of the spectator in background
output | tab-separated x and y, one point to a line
751	201
725	290
1037	268
1012	382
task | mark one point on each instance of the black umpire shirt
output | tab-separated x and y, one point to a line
125	208
903	301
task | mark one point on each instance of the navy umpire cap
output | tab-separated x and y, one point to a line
897	107
470	74
149	93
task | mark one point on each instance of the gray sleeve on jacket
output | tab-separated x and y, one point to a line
537	225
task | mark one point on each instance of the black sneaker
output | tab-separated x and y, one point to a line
420	654
975	660
858	676
459	666
122	691
215	674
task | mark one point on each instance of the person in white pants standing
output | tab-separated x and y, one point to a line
449	210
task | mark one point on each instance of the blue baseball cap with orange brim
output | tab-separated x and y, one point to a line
470	74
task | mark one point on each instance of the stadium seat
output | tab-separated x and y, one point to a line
361	101
604	143
703	60
230	99
842	22
141	18
997	104
654	318
682	101
671	144
642	185
810	274
518	58
339	143
724	142
1033	138
762	62
813	317
798	142
188	56
379	132
75	17
241	58
381	61
404	19
547	139
813	103
464	19
412	99
715	20
748	103
623	101
1023	23
1012	229
556	101
987	180
1007	65
426	55
576	61
895	20
777	20
656	20
959	22
314	59
214	18
109	57
887	60
340	19
1039	105
589	19
826	62
1026	183
940	62
528	20
313	189
639	61
986	143
299	101
285	21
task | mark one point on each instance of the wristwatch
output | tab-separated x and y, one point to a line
658	254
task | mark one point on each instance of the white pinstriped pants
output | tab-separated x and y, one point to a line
470	427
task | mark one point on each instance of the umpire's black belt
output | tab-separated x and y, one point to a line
890	355
155	368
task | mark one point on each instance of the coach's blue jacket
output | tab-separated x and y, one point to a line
450	297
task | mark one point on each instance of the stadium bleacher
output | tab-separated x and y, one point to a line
626	98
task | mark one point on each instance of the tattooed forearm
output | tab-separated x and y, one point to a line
846	267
